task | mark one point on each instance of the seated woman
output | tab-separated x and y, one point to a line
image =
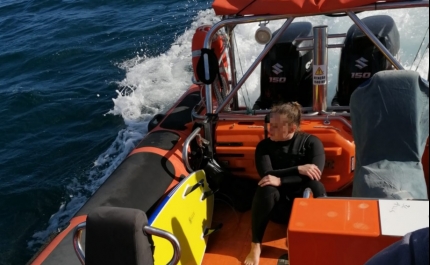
287	162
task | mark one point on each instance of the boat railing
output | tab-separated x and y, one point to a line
77	243
307	193
306	112
196	109
325	119
187	142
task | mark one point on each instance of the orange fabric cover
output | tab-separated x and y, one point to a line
279	7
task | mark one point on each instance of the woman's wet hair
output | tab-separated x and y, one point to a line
292	110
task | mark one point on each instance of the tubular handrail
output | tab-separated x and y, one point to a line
334	113
185	148
265	111
169	237
311	114
307	193
197	116
194	112
232	117
77	245
330	36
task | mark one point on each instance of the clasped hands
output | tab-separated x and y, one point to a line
310	170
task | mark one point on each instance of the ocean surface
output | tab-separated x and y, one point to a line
79	81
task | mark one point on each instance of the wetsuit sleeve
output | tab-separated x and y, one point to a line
314	155
264	165
315	152
262	158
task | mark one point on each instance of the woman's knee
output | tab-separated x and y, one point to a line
317	188
267	193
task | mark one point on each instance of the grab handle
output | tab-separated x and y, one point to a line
77	245
185	149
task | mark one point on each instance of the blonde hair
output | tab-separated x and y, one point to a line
292	110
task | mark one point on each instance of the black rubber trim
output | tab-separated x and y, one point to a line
64	253
138	183
165	140
181	115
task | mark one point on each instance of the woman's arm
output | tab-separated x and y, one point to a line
315	152
264	165
262	158
314	155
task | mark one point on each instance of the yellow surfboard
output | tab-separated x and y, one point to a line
186	212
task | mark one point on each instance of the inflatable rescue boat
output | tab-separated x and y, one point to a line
183	195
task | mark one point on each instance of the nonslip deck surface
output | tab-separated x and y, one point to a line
230	245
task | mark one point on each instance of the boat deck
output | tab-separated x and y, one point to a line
222	250
230	245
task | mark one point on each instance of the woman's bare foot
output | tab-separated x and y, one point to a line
253	257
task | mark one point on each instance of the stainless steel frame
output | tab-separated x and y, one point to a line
77	245
80	252
229	22
320	59
185	148
169	237
307	193
243	117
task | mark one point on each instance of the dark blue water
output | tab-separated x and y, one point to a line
61	63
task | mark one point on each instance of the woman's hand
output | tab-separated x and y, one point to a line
270	180
310	170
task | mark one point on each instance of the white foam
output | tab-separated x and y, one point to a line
153	84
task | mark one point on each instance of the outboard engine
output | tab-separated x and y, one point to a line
361	59
286	74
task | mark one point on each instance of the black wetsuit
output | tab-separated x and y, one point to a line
277	159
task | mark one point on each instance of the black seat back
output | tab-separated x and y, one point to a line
361	59
115	236
286	74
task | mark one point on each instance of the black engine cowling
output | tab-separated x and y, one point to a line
361	59
286	74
